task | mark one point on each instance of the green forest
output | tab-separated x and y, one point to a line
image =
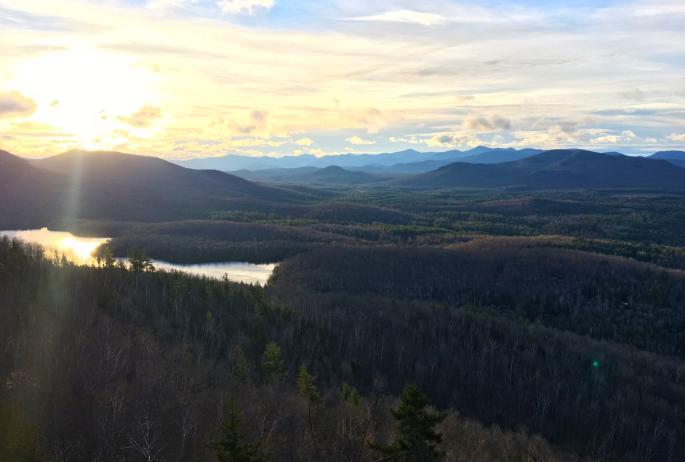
441	326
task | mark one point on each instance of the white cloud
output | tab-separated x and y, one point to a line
355	140
256	142
412	139
405	16
304	142
311	151
342	80
623	137
249	7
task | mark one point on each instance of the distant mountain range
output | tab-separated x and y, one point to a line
408	162
403	162
486	167
123	187
571	168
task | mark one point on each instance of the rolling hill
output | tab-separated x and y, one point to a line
144	174
497	156
333	176
556	169
674	157
115	186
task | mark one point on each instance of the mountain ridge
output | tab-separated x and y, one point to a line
111	185
674	157
571	168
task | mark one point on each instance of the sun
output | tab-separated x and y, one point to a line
87	92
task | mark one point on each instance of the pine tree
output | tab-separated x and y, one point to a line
272	362
305	384
417	440
306	387
240	367
232	444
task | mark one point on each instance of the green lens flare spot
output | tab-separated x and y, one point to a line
596	364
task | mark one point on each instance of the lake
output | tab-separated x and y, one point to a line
80	250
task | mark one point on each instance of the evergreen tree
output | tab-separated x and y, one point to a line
272	362
232	444
417	440
240	367
305	384
350	394
139	261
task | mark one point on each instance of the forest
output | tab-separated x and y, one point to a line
515	326
342	231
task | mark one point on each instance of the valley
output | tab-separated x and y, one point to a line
516	307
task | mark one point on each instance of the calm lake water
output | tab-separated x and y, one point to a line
80	250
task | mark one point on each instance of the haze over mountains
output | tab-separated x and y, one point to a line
486	168
408	161
109	185
295	169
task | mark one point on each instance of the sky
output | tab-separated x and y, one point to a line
182	79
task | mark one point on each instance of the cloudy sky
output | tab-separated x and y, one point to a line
196	78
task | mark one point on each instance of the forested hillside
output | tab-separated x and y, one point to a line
513	324
139	363
114	364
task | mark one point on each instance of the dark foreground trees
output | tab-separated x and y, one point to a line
110	365
233	444
417	439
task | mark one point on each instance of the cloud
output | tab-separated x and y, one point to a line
249	7
487	124
624	136
144	117
678	138
450	140
258	123
256	142
320	76
411	139
168	4
359	141
304	142
406	17
312	151
14	104
633	95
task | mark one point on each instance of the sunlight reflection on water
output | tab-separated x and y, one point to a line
76	249
79	250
